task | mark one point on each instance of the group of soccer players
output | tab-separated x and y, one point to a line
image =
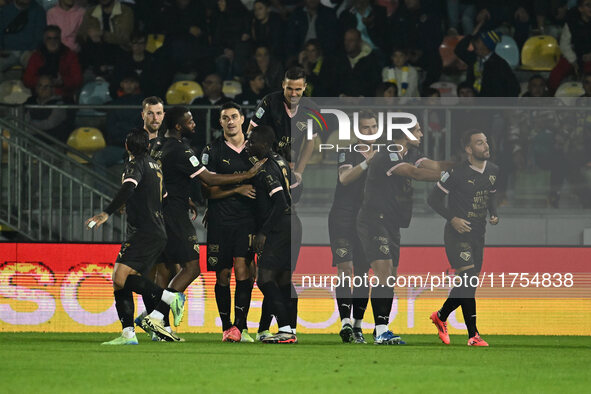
252	186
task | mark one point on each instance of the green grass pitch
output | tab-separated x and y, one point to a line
76	363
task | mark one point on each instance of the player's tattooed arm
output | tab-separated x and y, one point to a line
418	174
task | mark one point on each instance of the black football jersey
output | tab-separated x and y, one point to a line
387	194
273	112
144	207
469	190
348	198
179	167
221	157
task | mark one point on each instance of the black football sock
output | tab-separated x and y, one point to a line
450	305
150	292
360	300
469	312
343	294
242	302
266	315
277	304
381	301
162	306
125	307
223	300
291	300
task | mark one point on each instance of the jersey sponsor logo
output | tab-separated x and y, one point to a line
444	177
393	157
194	161
205	159
260	112
465	256
492	179
341	157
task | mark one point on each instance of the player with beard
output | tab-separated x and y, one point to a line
386	208
179	167
278	239
347	252
231	223
471	191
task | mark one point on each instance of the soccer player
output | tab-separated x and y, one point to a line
347	252
180	166
152	115
230	223
386	208
142	192
280	110
278	239
471	191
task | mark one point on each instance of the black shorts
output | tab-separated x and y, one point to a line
225	242
379	237
282	246
463	250
182	245
141	251
345	243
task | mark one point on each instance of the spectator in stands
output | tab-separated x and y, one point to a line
231	38
21	30
120	122
139	62
415	26
358	71
55	59
313	20
387	89
253	92
212	96
536	87
267	29
489	73
148	15
67	15
493	14
402	74
109	21
587	84
52	121
371	21
320	70
465	89
270	67
464	10
575	45
185	19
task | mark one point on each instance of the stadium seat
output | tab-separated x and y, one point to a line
508	50
446	89
449	58
47	4
540	53
570	89
13	92
183	92
154	42
94	93
231	88
87	140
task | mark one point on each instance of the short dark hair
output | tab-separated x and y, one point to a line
314	42
465	85
428	92
295	72
467	136
174	115
229	105
152	100
137	142
52	28
536	76
383	86
264	134
399	49
367	114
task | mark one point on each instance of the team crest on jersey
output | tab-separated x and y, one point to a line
342	252
393	156
260	112
492	179
194	161
465	256
205	158
341	157
301	126
444	177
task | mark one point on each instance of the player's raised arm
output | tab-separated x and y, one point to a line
418	174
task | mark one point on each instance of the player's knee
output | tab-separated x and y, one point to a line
223	277
345	269
382	269
241	269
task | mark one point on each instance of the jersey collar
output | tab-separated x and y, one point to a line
478	169
289	113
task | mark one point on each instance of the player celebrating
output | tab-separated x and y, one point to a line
347	253
278	240
230	223
280	110
470	187
179	167
386	208
141	192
